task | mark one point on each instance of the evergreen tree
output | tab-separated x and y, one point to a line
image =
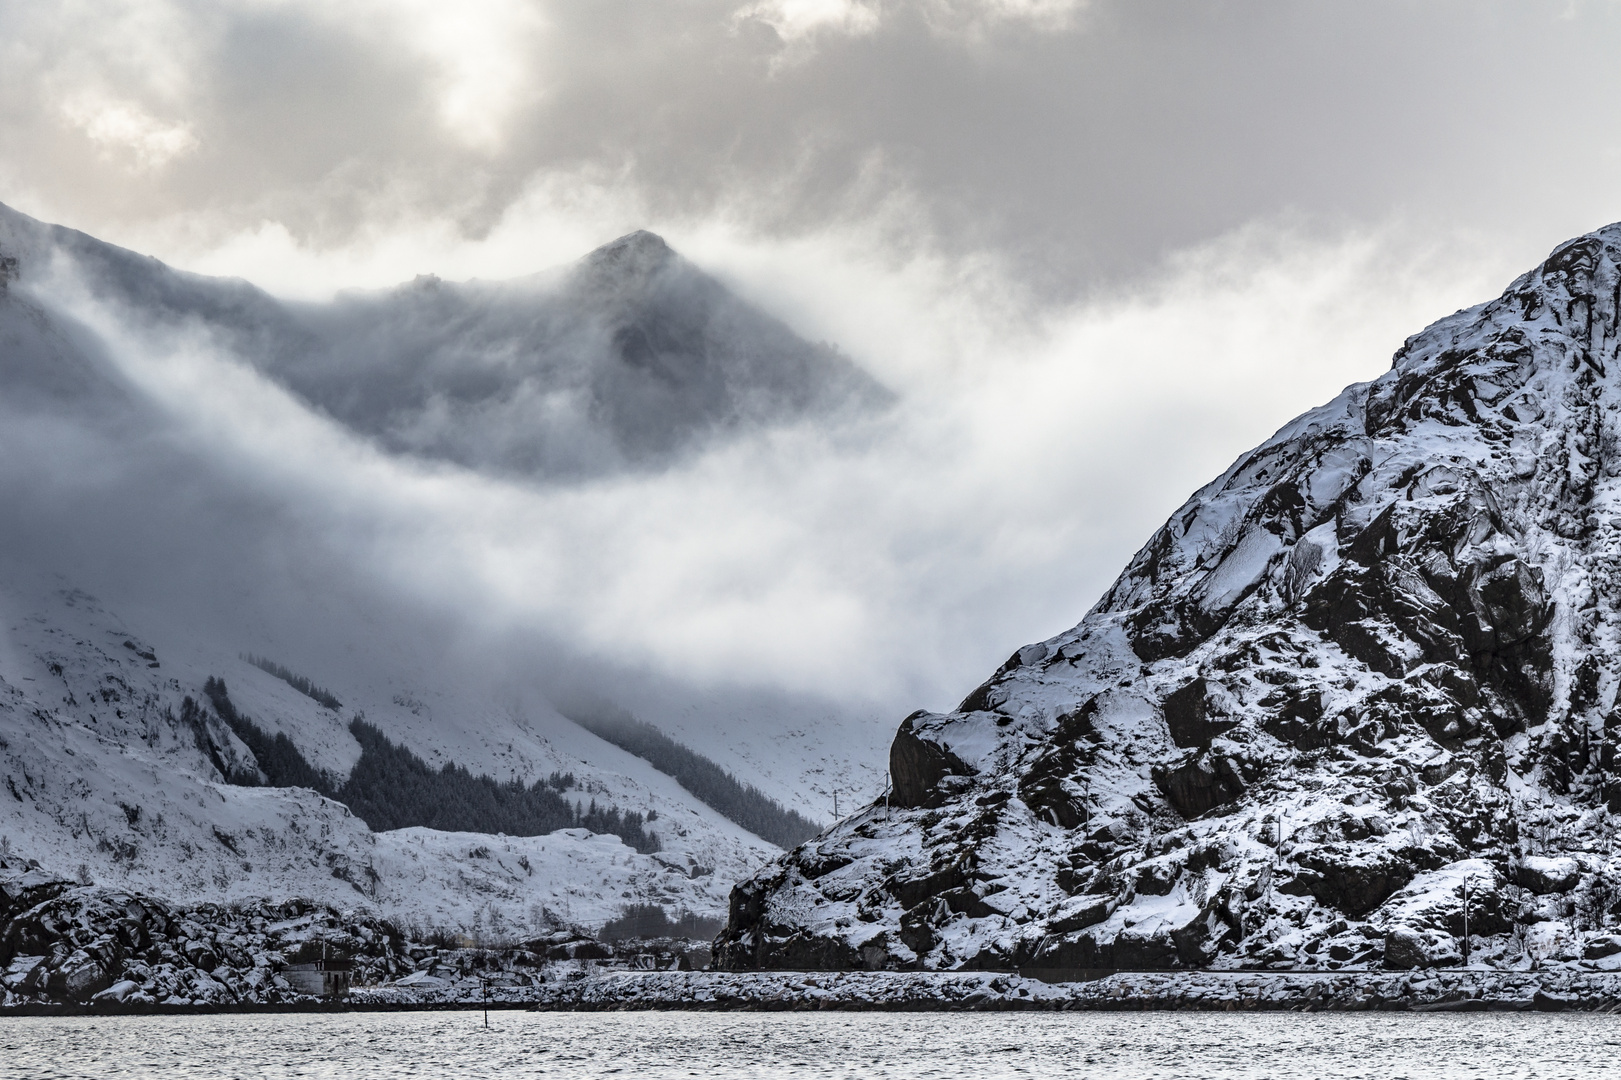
741	803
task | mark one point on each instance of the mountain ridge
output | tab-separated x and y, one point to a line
628	359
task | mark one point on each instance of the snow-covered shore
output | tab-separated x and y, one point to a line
1436	990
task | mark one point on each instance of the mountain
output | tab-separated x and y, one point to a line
1369	670
148	555
624	360
629	359
116	768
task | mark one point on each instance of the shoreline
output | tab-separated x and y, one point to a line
1432	990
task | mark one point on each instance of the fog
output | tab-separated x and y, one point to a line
1095	249
882	560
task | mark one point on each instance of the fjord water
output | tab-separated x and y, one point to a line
870	1046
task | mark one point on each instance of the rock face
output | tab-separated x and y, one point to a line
1373	662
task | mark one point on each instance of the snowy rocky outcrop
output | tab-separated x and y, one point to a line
1374	663
64	945
73	945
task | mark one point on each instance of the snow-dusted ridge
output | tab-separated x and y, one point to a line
628	359
101	772
1375	659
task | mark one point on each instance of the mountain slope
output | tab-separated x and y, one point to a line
105	773
1375	659
202	553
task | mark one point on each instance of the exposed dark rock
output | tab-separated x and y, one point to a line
1350	880
1192	716
917	765
1406	948
80	978
1199	784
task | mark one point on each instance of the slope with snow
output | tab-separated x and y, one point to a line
104	777
1372	664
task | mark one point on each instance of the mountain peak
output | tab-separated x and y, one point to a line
633	255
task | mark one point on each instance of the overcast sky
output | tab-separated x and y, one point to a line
1100	248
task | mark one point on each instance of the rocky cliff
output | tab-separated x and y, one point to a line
1371	668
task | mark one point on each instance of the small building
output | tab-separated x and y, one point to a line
321	978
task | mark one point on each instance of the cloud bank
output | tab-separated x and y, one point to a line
883	561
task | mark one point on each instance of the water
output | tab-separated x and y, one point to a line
1076	1046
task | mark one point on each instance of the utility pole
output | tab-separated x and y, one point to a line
835	804
486	984
1466	920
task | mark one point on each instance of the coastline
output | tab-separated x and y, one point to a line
1435	990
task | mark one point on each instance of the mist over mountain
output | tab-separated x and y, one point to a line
629	357
623	360
206	486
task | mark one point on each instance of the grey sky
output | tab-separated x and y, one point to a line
1080	142
1099	248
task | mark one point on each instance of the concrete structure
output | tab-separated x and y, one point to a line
322	978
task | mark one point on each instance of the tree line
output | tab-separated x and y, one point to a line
645	921
295	680
392	788
741	803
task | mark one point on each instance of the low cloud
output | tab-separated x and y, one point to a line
125	132
884	562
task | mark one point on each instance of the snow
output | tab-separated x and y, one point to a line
1405	611
87	730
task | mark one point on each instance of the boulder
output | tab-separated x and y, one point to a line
1546	875
199	955
1199	783
117	993
24	974
1352	879
1408	947
1600	947
917	766
79	978
1079	912
1192	716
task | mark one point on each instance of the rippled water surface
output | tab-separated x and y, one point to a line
1073	1045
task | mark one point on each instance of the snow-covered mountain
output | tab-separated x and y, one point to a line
1372	665
141	556
105	775
625	359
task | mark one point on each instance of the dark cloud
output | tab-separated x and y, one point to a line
1077	148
